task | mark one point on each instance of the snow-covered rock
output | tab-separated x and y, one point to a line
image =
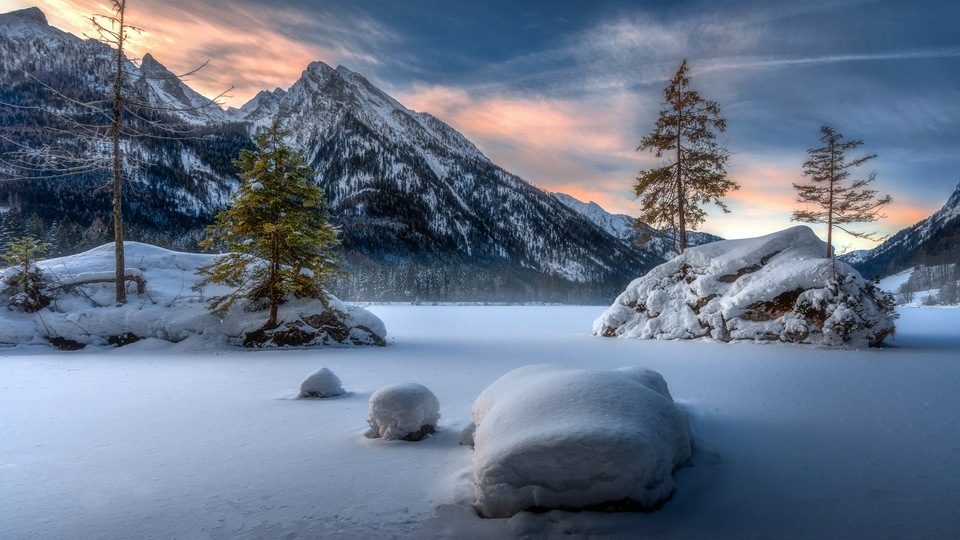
162	304
777	287
322	383
407	411
554	437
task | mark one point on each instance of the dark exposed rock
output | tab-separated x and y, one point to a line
316	329
774	309
123	339
65	344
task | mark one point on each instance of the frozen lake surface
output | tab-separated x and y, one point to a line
155	440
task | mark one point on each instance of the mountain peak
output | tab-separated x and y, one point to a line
30	14
319	68
151	67
954	199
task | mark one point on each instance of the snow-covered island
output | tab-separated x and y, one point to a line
162	304
777	287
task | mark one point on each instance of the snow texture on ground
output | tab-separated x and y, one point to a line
555	437
156	440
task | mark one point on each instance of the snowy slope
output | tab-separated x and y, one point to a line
177	181
659	244
934	240
164	90
405	185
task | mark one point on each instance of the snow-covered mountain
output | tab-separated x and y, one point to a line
174	182
418	205
935	240
658	243
163	89
403	182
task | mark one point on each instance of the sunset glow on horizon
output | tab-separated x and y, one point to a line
563	98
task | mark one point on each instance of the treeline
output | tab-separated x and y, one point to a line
944	279
69	237
364	279
417	283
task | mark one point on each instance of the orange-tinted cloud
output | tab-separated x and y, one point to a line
578	147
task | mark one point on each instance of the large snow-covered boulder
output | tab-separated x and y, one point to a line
777	287
161	303
553	437
407	411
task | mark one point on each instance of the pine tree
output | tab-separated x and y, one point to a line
695	173
22	255
837	203
276	229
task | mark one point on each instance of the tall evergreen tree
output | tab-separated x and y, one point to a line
276	229
695	172
836	202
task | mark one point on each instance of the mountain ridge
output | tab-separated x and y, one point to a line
934	240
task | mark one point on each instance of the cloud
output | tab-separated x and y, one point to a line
781	62
565	145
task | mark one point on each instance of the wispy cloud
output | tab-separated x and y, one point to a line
783	62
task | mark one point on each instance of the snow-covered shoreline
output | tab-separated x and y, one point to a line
176	440
165	305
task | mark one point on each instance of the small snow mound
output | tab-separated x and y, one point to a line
322	383
553	437
777	287
406	411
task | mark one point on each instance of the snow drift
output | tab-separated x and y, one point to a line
777	287
162	304
553	437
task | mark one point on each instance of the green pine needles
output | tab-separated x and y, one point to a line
276	230
22	254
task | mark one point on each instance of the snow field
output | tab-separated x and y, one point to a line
155	440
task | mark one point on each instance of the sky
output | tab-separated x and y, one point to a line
562	92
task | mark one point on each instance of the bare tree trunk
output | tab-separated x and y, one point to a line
833	179
681	197
274	281
117	170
